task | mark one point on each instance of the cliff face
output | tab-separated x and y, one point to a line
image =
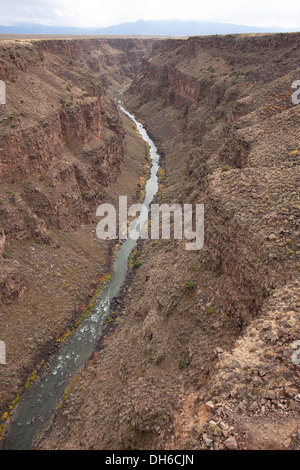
62	149
36	140
33	151
228	100
204	358
20	55
58	125
222	112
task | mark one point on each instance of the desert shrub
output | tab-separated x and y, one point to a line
182	364
226	168
137	264
210	310
190	285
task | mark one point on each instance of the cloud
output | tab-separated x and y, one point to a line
93	13
33	11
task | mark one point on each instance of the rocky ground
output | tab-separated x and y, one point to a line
202	353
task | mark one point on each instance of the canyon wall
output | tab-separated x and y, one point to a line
58	129
224	101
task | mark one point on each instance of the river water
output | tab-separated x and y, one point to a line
33	411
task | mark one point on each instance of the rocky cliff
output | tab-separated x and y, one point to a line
228	103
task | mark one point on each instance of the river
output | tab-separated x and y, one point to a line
33	411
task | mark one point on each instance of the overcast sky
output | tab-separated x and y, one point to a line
93	13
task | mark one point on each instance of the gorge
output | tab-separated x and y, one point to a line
198	350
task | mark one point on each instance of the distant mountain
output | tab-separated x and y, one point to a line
181	28
142	28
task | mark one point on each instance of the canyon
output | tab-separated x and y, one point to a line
63	148
198	354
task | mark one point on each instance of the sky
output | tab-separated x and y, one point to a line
101	13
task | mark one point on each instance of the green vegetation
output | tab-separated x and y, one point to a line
211	69
137	264
189	285
210	310
226	168
182	364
